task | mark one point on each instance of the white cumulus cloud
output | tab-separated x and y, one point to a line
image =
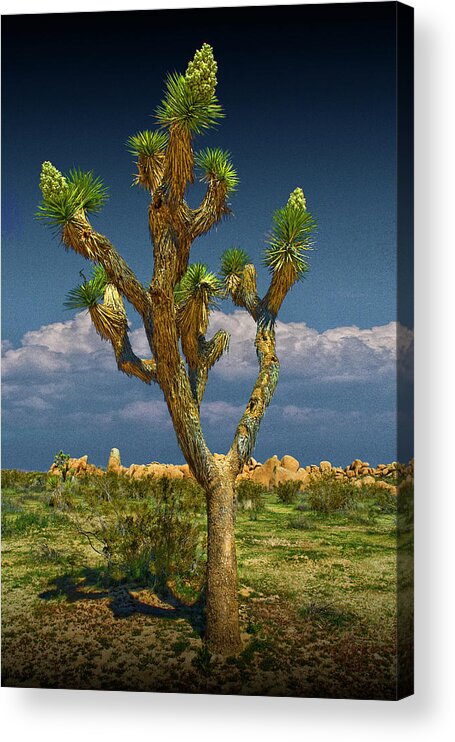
152	411
339	354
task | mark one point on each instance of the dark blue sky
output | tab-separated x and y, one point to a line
309	95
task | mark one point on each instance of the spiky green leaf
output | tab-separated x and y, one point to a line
291	236
81	192
91	192
182	105
197	283
146	143
216	164
233	261
88	293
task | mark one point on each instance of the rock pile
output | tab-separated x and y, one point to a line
155	469
270	474
273	471
78	467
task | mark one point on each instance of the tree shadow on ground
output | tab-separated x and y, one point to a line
121	601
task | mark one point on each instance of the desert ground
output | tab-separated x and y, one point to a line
317	593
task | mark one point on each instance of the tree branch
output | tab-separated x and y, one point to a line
208	353
261	395
170	368
79	235
281	283
243	290
178	164
212	209
110	322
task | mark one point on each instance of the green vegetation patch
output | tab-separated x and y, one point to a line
317	592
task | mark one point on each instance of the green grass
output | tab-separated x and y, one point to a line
317	606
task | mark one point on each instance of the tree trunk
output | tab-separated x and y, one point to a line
223	631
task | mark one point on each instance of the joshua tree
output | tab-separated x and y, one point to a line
175	307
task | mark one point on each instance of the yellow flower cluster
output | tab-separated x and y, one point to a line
201	72
52	182
297	199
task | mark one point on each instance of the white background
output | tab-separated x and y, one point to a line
74	715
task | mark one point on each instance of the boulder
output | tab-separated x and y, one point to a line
185	469
303	477
325	467
173	472
384	485
266	474
164	470
261	475
136	471
271	464
283	475
79	466
114	463
290	463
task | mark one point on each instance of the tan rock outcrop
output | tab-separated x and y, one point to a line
261	475
325	466
290	463
269	474
114	464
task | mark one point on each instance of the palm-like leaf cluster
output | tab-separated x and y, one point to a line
183	106
195	295
216	165
146	143
198	283
149	148
82	192
88	294
233	261
291	237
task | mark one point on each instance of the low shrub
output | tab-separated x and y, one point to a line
23	481
301	522
22	523
326	494
44	552
384	500
250	497
287	492
149	531
326	614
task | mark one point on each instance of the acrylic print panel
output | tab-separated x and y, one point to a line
207	450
